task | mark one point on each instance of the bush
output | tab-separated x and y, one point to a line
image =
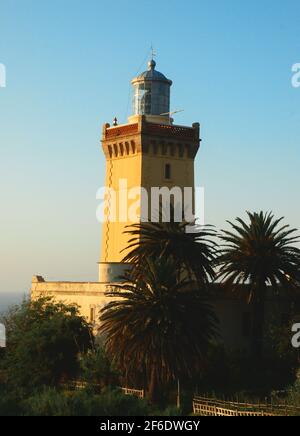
48	403
169	411
97	368
228	372
290	399
82	403
44	340
10	404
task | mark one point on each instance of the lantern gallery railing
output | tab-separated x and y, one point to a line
177	132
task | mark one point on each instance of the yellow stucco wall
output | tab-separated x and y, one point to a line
139	158
113	238
86	295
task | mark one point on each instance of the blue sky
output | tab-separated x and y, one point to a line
69	65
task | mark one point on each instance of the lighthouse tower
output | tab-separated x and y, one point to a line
148	152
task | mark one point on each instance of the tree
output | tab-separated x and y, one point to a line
158	324
262	257
97	368
286	356
192	253
44	340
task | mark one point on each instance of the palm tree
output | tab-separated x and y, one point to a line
261	256
192	253
158	325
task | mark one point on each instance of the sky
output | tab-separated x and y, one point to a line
68	69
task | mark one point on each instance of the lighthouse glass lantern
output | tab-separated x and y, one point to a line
151	93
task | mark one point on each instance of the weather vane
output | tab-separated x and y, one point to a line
153	53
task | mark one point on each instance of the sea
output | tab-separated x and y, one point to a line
8	299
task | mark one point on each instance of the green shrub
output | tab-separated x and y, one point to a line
44	339
171	411
48	403
97	368
82	403
10	405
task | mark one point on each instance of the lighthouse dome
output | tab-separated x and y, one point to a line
151	92
152	74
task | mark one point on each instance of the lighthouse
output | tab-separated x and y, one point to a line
147	154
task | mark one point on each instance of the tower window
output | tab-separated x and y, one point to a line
167	171
92	314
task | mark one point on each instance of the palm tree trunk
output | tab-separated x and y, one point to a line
152	393
258	322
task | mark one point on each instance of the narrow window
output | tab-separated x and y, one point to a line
167	171
92	314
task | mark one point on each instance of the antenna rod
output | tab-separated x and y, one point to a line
173	112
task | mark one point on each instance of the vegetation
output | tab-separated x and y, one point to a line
291	398
261	256
44	340
286	356
158	324
192	253
160	328
54	402
98	369
233	373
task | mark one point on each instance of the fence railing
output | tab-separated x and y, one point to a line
79	384
135	392
214	407
209	410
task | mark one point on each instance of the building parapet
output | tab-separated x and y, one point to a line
145	137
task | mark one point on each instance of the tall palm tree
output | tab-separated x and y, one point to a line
192	253
260	255
158	325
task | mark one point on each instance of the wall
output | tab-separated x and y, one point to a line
86	295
